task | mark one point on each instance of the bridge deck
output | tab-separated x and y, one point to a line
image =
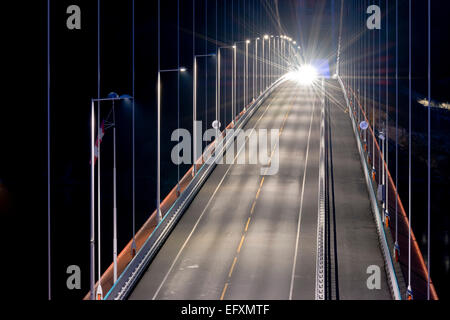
357	244
239	238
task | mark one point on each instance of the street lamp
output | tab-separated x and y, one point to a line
385	205
245	72
233	92
158	167
111	97
268	65
255	69
194	109
247	42
232	81
263	68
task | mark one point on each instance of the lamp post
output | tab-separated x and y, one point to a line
271	43
255	69
194	110
246	75
92	236
383	139
232	80
275	58
115	97
218	94
158	166
263	79
245	71
279	56
111	97
234	85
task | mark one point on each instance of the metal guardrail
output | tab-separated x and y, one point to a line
320	257
392	277
132	273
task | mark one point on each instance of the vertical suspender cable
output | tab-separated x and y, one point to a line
217	71
373	101
366	44
396	252
429	148
206	63
158	187
194	96
193	55
409	294
379	99
49	270
178	91
379	103
233	111
354	55
361	53
254	56
98	146
386	179
358	62
133	133
225	38
333	34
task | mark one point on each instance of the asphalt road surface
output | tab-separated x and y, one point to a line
250	236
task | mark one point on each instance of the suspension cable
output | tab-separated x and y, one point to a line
133	136
206	64
386	179
373	104
409	293
379	104
178	91
397	251
49	278
98	147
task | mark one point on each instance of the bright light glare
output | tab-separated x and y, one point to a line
305	75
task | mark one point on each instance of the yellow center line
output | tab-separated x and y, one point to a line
246	226
257	193
253	207
240	244
252	210
224	290
232	267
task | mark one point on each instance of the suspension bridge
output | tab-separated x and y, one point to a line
328	225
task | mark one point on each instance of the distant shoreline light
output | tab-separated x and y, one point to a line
443	105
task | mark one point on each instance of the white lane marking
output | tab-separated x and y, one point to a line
206	207
291	290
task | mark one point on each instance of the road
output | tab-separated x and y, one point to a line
248	236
